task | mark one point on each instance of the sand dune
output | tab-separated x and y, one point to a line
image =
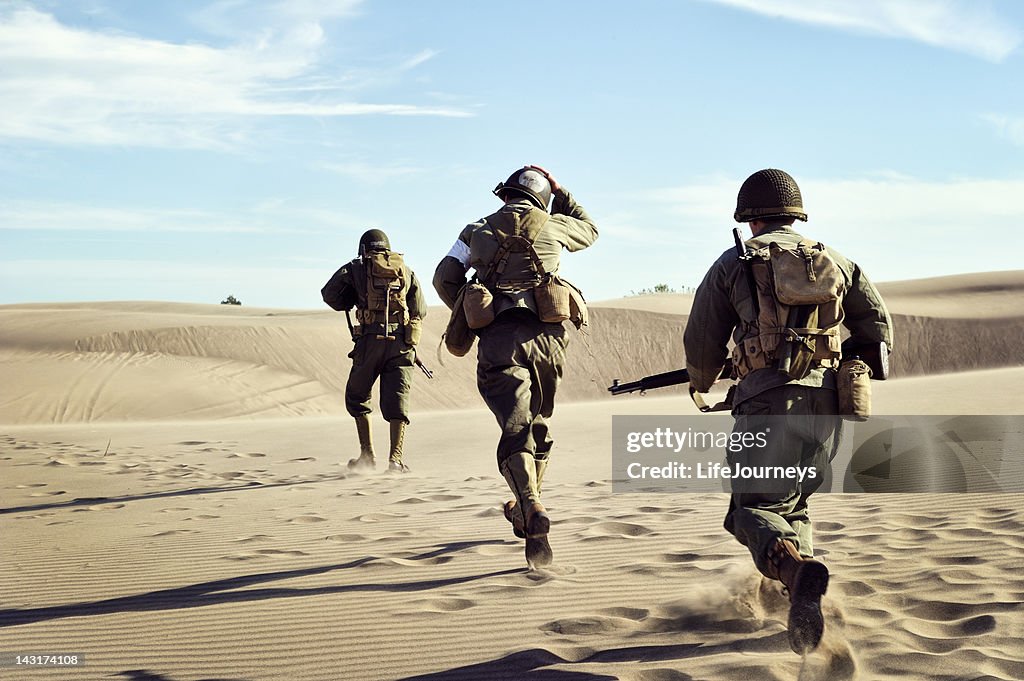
175	507
144	361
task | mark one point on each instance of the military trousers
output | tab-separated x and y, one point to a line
393	362
800	430
520	361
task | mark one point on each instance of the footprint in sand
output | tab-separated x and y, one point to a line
254	538
281	553
440	605
48	494
307	519
378	517
345	538
171	533
618	529
246	455
302	459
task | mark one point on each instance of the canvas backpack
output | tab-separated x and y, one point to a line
799	296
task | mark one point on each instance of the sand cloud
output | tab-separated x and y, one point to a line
968	27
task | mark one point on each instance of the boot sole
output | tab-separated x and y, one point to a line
806	623
538	550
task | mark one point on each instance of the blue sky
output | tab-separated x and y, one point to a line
189	150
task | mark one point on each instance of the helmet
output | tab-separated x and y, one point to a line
529	183
769	193
373	240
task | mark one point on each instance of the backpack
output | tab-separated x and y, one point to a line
799	295
387	284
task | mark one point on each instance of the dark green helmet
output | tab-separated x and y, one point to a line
529	183
373	240
769	193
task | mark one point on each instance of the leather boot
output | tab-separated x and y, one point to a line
806	581
542	467
520	473
397	440
363	432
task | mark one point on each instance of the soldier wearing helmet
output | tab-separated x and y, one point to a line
786	352
389	307
521	357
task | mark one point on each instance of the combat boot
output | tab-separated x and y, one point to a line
541	464
395	463
520	473
806	581
366	459
512	513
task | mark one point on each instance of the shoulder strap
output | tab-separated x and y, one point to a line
524	240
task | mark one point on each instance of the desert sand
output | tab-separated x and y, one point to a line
175	507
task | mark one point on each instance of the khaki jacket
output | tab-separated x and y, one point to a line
568	227
722	308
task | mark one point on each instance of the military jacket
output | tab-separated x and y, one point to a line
569	227
347	289
722	307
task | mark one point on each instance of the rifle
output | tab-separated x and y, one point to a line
669	378
423	367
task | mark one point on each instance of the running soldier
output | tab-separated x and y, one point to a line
782	302
516	302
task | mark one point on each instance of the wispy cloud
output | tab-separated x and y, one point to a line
75	217
83	87
1009	127
370	173
963	26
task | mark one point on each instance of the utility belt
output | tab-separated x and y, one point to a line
366	317
556	300
808	348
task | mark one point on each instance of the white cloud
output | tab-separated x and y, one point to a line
961	26
74	86
51	216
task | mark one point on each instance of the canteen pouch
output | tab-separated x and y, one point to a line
552	298
413	332
458	337
478	306
853	384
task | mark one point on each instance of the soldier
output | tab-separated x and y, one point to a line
516	252
389	308
785	357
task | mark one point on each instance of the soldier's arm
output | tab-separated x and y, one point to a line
580	230
450	274
865	313
706	337
339	292
414	299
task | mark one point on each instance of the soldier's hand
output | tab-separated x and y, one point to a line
545	173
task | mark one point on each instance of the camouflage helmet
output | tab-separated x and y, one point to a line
529	183
769	193
373	240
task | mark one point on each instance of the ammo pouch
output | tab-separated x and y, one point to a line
413	332
478	305
458	337
853	384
